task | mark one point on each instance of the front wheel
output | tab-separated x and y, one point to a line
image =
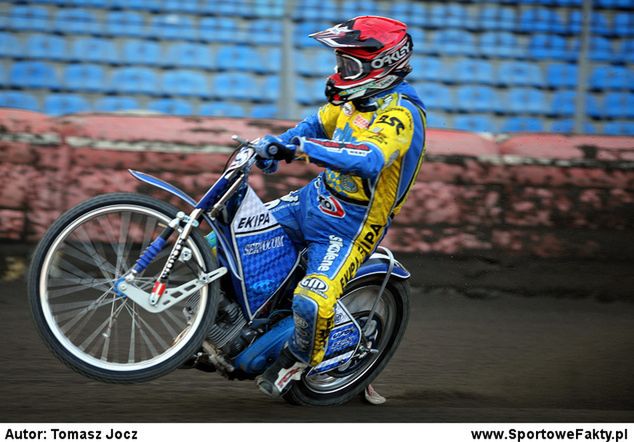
88	325
388	324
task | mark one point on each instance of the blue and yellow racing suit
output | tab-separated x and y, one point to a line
371	161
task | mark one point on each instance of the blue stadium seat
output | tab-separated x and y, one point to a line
618	105
497	18
595	106
270	89
242	58
599	24
476	99
171	107
260	32
85	77
435	96
453	42
523	124
116	104
28	18
354	8
238	86
626	51
190	55
268	8
10	45
309	91
314	63
18	100
567	126
139	5
220	109
173	27
541	20
499	44
601	49
142	52
399	11
125	24
418	38
228	9
544	46
520	73
269	60
96	50
560	75
469	70
134	80
302	30
62	104
574	23
77	21
563	103
33	74
611	77
474	123
184	6
525	100
264	111
186	83
451	15
624	24
46	46
427	68
221	29
618	128
417	15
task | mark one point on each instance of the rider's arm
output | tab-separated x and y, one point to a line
377	147
318	125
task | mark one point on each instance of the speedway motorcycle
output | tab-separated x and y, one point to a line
125	288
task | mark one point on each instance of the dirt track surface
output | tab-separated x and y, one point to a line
495	358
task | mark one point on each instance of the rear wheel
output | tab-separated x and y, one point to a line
387	326
85	323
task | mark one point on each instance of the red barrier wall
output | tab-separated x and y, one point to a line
537	195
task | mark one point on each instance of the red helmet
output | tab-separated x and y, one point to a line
372	55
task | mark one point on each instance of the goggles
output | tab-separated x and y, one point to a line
349	67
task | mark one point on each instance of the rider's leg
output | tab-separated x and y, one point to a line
329	266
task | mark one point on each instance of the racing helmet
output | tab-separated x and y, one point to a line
372	55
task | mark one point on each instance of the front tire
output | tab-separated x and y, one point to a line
344	384
84	322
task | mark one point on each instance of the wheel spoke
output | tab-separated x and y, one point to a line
89	340
73	251
91	249
122	245
99	327
82	314
93	305
132	333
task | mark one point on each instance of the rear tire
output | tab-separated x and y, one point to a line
81	255
333	390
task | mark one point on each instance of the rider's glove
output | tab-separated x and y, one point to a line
274	148
268	166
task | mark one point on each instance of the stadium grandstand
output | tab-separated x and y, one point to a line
507	66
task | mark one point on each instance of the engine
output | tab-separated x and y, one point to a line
229	333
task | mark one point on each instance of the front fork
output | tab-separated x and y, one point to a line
157	246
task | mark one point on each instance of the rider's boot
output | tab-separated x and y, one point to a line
278	378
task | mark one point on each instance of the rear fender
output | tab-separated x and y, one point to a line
378	264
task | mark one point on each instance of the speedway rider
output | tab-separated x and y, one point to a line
370	138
